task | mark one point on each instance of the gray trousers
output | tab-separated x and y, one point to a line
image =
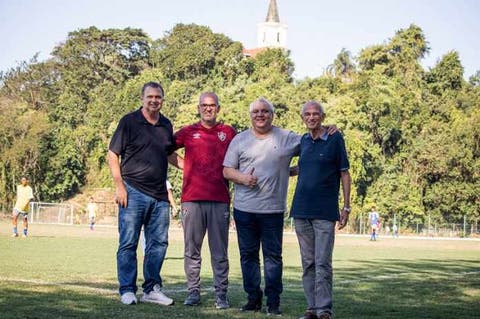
198	218
316	238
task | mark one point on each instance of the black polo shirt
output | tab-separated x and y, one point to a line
143	149
320	163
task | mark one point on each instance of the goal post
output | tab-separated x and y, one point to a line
50	213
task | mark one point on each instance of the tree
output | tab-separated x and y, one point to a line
273	65
189	51
91	57
412	136
474	80
400	56
342	66
446	75
21	130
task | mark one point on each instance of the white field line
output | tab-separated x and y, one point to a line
106	291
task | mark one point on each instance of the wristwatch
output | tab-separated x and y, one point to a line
347	209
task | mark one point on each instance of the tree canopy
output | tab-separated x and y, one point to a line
412	134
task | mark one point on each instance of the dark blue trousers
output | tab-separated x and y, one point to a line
253	230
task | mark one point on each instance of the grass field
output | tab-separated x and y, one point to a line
70	272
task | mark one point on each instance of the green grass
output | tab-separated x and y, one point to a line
70	272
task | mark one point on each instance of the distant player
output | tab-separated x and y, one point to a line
92	209
374	218
21	208
395	231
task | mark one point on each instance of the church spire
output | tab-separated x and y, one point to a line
272	15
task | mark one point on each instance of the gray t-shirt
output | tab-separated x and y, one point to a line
271	157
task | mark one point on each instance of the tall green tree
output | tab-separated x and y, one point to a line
91	57
190	51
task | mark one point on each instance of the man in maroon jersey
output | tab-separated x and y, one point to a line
205	198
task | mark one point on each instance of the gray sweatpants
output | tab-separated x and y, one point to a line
198	218
316	238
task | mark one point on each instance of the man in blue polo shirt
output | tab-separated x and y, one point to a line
322	165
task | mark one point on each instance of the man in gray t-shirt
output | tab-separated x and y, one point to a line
270	158
258	161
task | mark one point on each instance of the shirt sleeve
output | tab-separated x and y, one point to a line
119	138
173	146
342	158
232	157
233	131
294	140
180	138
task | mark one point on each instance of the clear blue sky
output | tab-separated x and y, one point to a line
317	29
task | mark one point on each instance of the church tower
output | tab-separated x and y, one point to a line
272	33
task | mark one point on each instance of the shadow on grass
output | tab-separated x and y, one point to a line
392	288
40	301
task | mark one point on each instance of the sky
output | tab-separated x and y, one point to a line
317	29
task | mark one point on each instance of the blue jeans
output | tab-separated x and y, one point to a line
154	215
254	229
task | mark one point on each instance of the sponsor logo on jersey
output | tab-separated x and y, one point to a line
196	135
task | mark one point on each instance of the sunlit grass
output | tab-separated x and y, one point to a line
70	272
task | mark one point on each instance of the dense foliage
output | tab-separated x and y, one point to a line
412	134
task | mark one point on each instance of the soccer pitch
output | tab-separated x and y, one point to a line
70	272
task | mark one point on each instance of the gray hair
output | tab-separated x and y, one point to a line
317	105
208	94
265	102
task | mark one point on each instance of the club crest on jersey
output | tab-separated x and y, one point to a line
196	135
222	136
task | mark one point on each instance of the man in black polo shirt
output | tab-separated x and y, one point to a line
322	165
143	140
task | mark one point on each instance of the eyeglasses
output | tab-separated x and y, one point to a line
204	105
258	112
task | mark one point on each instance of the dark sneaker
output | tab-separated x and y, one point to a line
222	302
274	311
193	298
309	314
252	305
325	315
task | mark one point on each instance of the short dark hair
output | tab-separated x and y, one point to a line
154	85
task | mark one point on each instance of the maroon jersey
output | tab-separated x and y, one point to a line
203	163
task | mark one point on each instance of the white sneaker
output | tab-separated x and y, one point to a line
128	298
157	296
14	235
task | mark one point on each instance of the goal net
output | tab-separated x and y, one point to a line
50	213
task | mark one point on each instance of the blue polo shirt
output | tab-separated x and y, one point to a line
320	164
